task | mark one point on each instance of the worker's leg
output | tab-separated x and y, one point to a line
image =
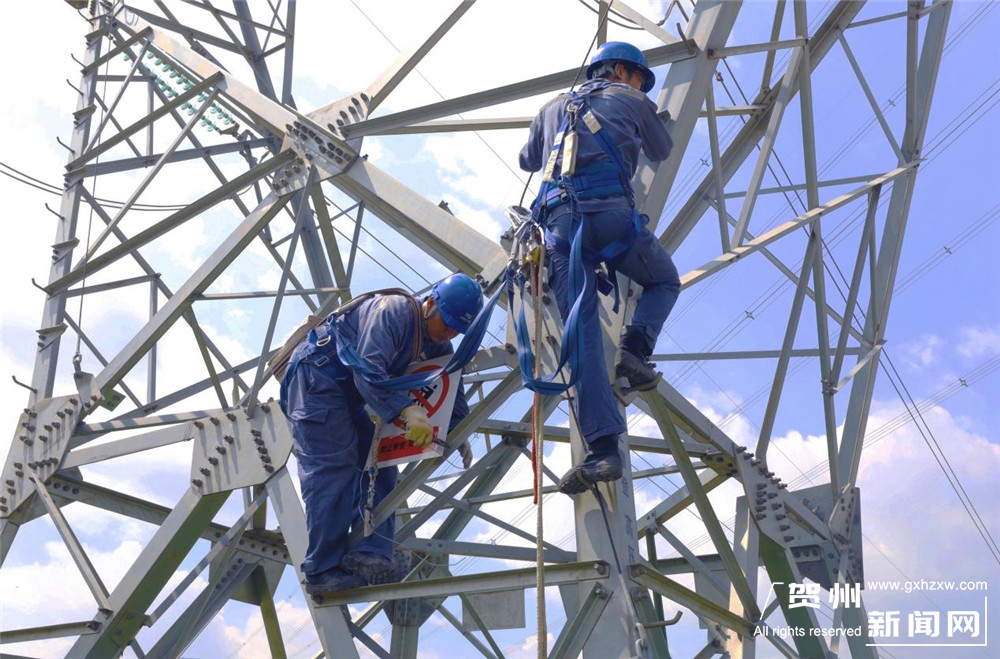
594	402
648	264
598	416
326	448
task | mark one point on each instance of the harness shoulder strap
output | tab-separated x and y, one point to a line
279	361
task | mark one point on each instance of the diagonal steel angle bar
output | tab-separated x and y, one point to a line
109	112
574	634
76	551
154	566
852	294
301	213
455	245
767	145
185	31
884	273
792	277
525	89
146	236
810	216
172	104
791	329
820	43
407	61
460	628
213	266
223	547
660	413
148	178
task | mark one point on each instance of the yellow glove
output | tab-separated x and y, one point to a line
418	426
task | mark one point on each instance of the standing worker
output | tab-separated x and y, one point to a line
589	142
324	401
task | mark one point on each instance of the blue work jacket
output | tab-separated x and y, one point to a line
381	330
628	117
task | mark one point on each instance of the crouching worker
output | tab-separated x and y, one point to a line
324	401
589	143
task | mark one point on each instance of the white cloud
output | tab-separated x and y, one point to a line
29	587
250	639
976	342
922	351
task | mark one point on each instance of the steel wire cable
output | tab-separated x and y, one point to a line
21	177
950	247
935	448
902	419
838	289
886	429
840	231
837	156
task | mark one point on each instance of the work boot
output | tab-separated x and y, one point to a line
602	464
332	581
639	374
376	569
632	369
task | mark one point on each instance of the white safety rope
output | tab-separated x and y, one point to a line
538	435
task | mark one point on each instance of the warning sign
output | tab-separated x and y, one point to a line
438	398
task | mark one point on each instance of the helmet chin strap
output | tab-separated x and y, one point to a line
430	311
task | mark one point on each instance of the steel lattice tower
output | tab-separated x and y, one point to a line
164	101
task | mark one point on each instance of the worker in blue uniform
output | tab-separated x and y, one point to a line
589	142
324	401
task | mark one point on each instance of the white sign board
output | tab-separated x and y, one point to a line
438	398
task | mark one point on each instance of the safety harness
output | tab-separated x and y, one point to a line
335	335
598	180
571	186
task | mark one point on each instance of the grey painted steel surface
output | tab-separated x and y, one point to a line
283	171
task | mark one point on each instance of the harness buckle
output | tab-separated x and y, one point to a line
323	341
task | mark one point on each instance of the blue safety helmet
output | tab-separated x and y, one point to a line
459	300
619	51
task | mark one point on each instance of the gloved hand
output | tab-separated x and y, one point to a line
466	452
418	426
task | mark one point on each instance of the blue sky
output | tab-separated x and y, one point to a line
944	325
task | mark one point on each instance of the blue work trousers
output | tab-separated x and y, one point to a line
648	264
332	434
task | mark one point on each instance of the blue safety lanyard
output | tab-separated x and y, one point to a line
467	349
580	285
592	181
